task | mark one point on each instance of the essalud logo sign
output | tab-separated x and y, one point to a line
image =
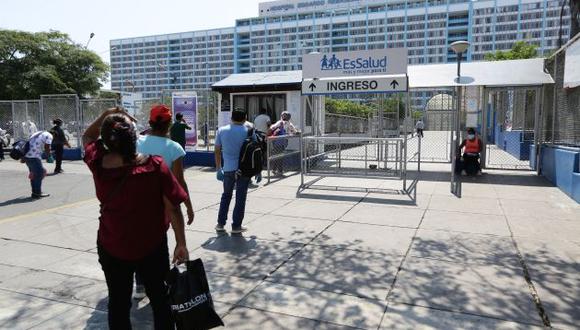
367	63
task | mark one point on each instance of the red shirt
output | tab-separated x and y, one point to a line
133	222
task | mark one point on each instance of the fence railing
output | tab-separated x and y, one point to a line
283	155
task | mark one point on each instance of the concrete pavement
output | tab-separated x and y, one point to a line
506	255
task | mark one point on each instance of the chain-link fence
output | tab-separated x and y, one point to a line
22	118
561	109
337	124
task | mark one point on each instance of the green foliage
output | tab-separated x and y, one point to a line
32	64
366	108
520	50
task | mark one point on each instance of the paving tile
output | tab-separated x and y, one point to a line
290	229
40	224
332	195
58	287
466	204
229	289
363	274
384	215
401	316
82	264
206	219
555	271
77	318
373	238
541	210
545	229
32	255
7	272
239	319
19	311
468	189
202	200
313	209
465	248
469	223
263	205
194	239
244	256
79	237
316	305
421	201
275	191
499	292
89	210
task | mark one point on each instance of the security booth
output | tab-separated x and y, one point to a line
376	77
274	93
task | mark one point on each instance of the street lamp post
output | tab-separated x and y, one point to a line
458	47
88	41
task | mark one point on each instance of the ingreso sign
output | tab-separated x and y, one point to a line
378	62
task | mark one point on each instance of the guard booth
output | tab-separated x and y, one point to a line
381	152
273	93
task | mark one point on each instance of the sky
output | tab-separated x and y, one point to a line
115	19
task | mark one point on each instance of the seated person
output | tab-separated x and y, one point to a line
473	147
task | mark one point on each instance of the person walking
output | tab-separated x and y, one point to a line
59	141
157	143
135	192
178	130
39	142
420	126
228	145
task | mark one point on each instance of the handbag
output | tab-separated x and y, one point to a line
189	298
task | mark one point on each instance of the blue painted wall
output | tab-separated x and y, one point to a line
560	165
199	158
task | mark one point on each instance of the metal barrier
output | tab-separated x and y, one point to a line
65	107
353	157
282	155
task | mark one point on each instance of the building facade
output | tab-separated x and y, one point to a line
285	30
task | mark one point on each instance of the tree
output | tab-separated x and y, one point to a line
32	64
520	50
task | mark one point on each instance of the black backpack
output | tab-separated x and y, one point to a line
19	149
251	155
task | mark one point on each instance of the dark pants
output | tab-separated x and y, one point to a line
241	185
420	132
1	150
58	152
36	174
471	164
119	275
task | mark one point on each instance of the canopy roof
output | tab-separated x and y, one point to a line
529	72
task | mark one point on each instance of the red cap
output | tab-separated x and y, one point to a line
160	112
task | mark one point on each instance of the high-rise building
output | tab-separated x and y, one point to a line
287	29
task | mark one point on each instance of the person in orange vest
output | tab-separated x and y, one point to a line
472	147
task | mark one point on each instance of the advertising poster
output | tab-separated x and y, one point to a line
186	104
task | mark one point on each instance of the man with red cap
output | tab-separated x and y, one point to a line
157	143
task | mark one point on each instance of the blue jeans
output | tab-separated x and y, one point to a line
36	174
241	185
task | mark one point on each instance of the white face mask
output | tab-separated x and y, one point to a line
471	136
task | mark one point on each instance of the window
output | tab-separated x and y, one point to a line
274	104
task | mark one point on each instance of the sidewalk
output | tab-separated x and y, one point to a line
504	256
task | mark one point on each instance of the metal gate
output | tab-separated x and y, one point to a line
509	127
438	119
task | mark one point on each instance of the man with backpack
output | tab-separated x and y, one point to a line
39	142
238	157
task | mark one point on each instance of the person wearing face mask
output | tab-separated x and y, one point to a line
472	147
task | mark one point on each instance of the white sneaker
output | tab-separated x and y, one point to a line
239	230
139	292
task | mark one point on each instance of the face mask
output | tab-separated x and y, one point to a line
471	136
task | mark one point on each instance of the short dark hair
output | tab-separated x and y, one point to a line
238	115
263	110
179	116
471	130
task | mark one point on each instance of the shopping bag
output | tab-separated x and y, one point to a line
190	299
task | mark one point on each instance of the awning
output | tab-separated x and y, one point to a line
272	81
529	72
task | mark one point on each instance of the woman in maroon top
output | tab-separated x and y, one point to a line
134	191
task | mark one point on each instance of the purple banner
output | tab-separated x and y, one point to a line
186	104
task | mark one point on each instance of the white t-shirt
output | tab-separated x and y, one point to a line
37	142
261	123
419	125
